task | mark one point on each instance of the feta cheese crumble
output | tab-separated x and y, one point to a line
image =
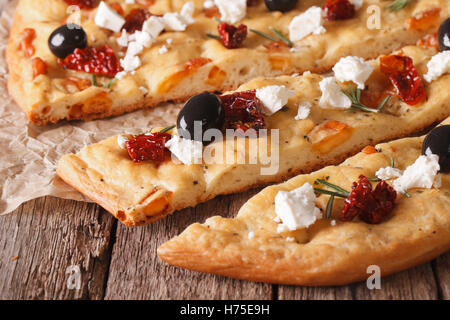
332	95
353	69
186	150
304	109
357	4
251	235
108	18
163	50
421	174
388	173
438	65
121	140
274	98
297	208
309	22
232	11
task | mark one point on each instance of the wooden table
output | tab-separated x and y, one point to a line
44	237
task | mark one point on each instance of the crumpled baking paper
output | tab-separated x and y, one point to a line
29	153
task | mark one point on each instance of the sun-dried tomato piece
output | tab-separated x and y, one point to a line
369	150
243	111
146	147
370	206
232	37
83	4
429	41
39	67
339	10
135	20
425	21
26	44
404	77
99	61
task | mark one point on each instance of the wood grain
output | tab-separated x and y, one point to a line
137	273
44	237
441	268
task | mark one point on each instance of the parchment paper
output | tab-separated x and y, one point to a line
29	153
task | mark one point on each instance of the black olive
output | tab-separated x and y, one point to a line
444	35
65	39
438	140
205	108
281	5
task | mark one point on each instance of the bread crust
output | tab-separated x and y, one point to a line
46	98
323	255
141	193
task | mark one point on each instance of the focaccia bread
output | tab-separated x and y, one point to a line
139	193
329	252
179	64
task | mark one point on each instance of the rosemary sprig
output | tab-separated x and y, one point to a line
213	36
282	37
354	94
262	34
330	207
94	80
110	83
407	194
333	186
397	5
374	179
218	20
167	129
330	193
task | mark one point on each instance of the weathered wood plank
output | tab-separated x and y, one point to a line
441	268
137	273
416	283
43	238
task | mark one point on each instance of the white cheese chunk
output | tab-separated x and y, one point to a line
108	18
273	98
251	235
333	222
304	109
163	50
357	4
309	22
421	174
297	208
388	173
121	140
290	239
179	21
123	39
438	65
186	150
332	96
208	4
353	69
129	2
153	26
232	11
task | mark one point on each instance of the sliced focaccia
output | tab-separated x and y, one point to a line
166	50
318	126
339	245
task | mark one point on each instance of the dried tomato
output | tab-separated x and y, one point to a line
242	111
83	4
404	77
39	67
99	61
232	37
147	147
26	44
370	206
339	10
135	20
425	21
429	41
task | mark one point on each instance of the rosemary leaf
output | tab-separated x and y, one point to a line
262	34
392	162
167	129
331	193
110	83
333	186
354	94
374	179
383	103
213	36
397	5
94	80
408	195
330	207
282	36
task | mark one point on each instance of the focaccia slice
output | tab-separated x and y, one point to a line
193	62
141	193
328	252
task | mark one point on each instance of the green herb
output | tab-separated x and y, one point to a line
330	207
167	129
262	34
331	193
333	186
218	20
354	94
94	80
374	179
282	37
397	5
392	162
213	36
110	83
